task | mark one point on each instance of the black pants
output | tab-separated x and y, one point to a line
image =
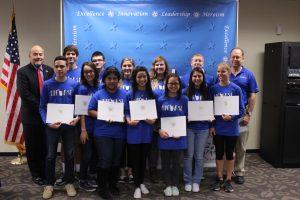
35	143
154	152
87	152
138	154
171	160
224	143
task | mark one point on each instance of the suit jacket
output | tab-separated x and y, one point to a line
28	88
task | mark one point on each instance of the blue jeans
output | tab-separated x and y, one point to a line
67	133
196	144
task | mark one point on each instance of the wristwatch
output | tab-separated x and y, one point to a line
248	113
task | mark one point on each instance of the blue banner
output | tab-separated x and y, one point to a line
144	30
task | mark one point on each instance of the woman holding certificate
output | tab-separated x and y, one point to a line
197	132
89	85
127	66
139	132
108	134
158	73
225	127
172	109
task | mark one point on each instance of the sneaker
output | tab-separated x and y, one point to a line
71	192
122	179
188	187
239	180
168	191
130	178
144	189
61	180
217	185
93	183
227	186
196	187
48	192
137	193
175	191
86	186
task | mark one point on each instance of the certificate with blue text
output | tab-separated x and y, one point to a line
110	111
63	113
143	109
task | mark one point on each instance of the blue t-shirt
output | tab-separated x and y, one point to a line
57	92
245	79
172	107
89	91
196	125
142	132
210	81
101	127
74	74
126	84
227	128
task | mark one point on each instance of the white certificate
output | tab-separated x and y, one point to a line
113	111
174	126
82	104
200	110
143	109
63	113
228	105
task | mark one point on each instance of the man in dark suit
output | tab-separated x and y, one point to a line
30	80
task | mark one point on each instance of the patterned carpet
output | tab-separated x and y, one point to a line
262	182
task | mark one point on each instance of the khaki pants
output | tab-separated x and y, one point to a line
240	151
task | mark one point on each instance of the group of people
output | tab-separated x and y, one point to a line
115	150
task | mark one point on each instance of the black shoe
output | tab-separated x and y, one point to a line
86	186
239	180
60	181
114	190
217	185
153	175
130	179
104	193
39	181
93	183
227	186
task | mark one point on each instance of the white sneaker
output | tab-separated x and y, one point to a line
144	189
71	192
188	187
175	191
196	187
137	193
48	192
168	191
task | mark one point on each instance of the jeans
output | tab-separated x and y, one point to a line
87	150
196	144
109	151
240	150
67	133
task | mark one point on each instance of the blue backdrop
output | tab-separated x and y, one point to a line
145	29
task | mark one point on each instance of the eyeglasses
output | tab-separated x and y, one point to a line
97	60
175	83
88	72
159	64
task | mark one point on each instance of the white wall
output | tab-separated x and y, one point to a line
38	22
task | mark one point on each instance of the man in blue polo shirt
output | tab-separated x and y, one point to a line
245	79
197	61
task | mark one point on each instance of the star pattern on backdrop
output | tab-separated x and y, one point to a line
114	62
212	63
88	45
188	27
163	27
187	45
211	45
140	62
113	45
87	27
113	27
139	27
211	26
139	45
163	45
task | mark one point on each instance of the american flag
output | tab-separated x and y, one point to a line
13	127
